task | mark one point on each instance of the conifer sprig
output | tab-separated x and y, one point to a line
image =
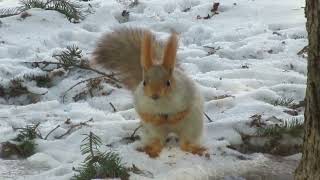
6	12
293	128
71	10
99	164
70	56
22	145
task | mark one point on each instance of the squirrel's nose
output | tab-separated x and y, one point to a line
155	96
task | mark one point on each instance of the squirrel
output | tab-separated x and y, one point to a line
165	98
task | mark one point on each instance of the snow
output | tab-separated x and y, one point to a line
261	35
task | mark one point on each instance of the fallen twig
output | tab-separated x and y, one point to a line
210	120
113	107
45	138
132	137
72	127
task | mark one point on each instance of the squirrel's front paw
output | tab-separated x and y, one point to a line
194	149
153	149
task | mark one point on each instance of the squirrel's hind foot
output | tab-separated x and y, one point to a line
153	149
194	149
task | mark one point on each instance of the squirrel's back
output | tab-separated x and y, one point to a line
120	52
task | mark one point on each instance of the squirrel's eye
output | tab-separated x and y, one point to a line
144	83
168	83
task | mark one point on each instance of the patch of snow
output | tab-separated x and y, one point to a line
252	62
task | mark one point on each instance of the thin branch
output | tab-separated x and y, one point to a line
80	82
113	107
45	138
69	131
134	132
210	120
110	76
72	127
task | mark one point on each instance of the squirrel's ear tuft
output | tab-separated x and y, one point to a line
147	53
170	52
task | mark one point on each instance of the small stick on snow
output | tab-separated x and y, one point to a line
45	138
210	120
68	132
114	108
134	132
72	127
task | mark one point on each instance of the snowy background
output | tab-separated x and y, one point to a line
254	63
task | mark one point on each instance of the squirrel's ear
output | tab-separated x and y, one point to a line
147	50
170	52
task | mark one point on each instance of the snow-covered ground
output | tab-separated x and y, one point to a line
256	63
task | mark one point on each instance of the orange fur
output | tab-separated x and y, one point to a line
120	52
144	65
153	149
159	87
158	120
194	149
147	51
170	52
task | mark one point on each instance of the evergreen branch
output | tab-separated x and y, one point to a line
24	145
70	56
111	166
111	76
293	128
97	164
28	4
287	102
6	12
27	133
90	144
69	9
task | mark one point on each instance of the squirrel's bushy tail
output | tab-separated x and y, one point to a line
120	51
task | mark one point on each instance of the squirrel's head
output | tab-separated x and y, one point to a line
158	78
